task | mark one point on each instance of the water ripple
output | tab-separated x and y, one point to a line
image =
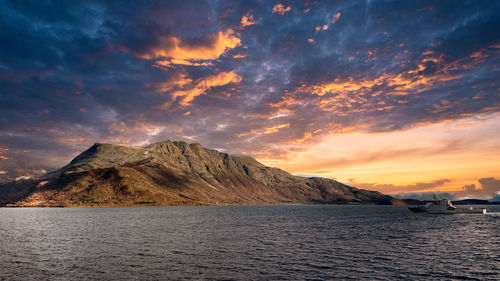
247	243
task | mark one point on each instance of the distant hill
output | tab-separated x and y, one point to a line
422	196
473	202
175	173
495	199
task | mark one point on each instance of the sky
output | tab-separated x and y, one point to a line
394	96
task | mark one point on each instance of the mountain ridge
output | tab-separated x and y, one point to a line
176	173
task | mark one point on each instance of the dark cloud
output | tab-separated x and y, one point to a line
487	189
469	187
74	73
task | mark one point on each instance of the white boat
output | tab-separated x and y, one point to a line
444	206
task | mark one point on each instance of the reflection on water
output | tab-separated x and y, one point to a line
247	242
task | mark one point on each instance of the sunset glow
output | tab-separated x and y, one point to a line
452	154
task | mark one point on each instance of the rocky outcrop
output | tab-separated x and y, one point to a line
175	173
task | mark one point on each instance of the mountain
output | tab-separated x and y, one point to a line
423	196
175	173
495	199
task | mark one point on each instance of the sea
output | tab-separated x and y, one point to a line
281	242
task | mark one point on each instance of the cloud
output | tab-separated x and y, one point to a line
172	50
469	187
189	89
178	81
133	72
490	185
240	56
264	131
488	188
336	17
460	151
391	188
275	129
248	20
280	9
173	62
324	27
344	92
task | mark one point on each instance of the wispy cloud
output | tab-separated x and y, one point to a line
188	89
391	188
336	17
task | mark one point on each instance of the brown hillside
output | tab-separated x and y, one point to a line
175	173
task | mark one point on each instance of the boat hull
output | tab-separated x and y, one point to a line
459	210
470	210
444	206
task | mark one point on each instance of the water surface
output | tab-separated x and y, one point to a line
247	243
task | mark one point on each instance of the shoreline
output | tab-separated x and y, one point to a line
197	205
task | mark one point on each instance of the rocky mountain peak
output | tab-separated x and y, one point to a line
176	173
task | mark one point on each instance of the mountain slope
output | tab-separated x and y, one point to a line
175	173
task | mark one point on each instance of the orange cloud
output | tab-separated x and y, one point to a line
264	131
319	27
187	90
336	17
246	134
174	61
280	9
352	95
394	189
349	91
307	136
325	26
275	129
173	51
248	20
179	80
240	56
